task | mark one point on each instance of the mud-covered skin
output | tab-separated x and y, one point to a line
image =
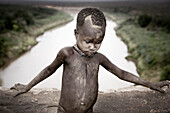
80	81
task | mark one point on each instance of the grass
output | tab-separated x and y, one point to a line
149	48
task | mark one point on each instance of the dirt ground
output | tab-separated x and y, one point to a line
135	99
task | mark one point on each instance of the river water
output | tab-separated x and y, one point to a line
25	68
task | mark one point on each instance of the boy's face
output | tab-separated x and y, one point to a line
89	37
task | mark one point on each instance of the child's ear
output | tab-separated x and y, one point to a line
76	33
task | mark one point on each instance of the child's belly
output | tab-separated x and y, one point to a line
79	92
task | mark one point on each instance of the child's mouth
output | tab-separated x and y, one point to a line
89	53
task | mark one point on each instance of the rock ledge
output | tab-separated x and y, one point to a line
128	100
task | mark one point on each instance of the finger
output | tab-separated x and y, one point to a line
18	94
166	83
15	86
160	90
162	84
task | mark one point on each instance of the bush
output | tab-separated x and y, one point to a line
2	25
144	20
26	16
3	46
165	75
161	22
15	27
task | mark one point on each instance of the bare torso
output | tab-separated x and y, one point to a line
79	83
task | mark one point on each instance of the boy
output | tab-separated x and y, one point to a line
81	65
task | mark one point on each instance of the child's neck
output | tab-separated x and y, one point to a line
79	50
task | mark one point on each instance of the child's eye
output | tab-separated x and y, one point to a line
87	41
98	42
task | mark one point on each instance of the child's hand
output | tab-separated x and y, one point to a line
20	88
159	85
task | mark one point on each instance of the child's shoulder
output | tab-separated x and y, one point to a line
100	56
67	51
68	48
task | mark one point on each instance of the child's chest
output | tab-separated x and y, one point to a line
80	81
83	65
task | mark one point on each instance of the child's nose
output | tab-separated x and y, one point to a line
92	47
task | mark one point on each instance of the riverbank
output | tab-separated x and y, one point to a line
148	45
137	99
21	37
149	49
19	31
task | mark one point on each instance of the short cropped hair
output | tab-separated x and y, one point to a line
97	17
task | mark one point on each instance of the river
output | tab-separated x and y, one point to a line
25	68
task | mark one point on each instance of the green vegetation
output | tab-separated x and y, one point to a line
147	35
144	20
20	25
149	48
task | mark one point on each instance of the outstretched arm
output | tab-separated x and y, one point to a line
46	72
124	75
